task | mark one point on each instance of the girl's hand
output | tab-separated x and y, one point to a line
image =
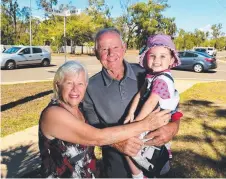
163	135
157	119
129	118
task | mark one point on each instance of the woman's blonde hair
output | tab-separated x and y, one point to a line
69	67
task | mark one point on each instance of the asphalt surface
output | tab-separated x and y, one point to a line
37	73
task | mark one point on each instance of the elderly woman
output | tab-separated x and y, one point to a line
64	135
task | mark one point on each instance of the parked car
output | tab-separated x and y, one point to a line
196	61
24	55
209	50
2	48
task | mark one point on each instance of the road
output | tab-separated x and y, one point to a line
36	73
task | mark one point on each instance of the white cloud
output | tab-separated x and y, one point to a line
206	28
39	17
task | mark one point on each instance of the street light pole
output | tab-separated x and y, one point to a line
65	41
30	25
65	12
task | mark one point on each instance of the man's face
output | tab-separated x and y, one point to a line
110	51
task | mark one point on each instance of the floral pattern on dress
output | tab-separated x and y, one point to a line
61	159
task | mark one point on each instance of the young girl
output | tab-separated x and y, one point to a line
158	90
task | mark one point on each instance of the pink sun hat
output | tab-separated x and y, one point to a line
160	40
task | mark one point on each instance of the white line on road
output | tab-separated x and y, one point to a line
28	81
52	69
221	71
197	79
50	79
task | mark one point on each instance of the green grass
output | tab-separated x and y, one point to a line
22	105
199	149
200	146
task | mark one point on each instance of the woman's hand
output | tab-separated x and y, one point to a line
157	119
130	146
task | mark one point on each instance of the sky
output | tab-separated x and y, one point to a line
189	14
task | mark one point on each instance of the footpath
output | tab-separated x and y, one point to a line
19	151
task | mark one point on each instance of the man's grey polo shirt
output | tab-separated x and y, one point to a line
106	104
106	100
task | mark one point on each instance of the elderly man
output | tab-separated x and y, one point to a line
107	100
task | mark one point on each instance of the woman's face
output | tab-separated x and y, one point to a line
159	58
72	89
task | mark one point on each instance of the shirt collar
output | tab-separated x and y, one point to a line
129	73
151	75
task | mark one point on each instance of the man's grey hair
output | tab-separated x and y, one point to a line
70	67
107	30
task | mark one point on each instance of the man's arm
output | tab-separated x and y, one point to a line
159	137
164	134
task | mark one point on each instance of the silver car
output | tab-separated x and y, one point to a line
24	55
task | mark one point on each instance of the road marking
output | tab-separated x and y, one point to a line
50	79
51	69
222	61
220	70
197	79
28	81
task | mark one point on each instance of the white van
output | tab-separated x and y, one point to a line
209	50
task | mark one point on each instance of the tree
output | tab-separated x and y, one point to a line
7	30
51	30
184	40
179	40
144	19
199	37
46	4
100	12
216	30
81	28
168	26
125	24
216	34
10	8
15	23
221	43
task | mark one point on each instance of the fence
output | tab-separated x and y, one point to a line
78	50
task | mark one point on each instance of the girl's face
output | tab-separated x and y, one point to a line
73	88
159	58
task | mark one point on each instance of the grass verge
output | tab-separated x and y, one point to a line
200	146
22	104
199	149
